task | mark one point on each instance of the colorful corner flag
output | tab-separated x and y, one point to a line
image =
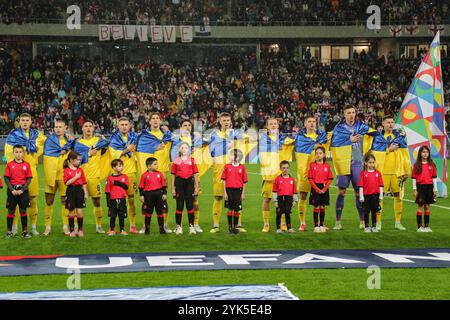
422	114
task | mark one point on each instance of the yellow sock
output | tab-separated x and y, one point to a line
166	218
65	216
33	211
132	210
283	219
240	219
379	212
98	215
217	211
302	211
48	212
196	213
266	216
398	208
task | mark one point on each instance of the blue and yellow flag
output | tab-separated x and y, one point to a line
146	146
103	167
380	147
341	145
304	147
117	144
53	160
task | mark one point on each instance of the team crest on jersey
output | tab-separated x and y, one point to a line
158	176
25	168
240	170
123	179
292	182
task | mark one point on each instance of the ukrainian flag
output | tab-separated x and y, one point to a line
101	144
304	147
52	157
198	150
116	146
341	145
146	145
380	146
272	150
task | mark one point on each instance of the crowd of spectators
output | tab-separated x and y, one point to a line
76	89
217	12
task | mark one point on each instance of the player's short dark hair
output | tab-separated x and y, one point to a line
349	106
124	119
183	121
25	115
60	120
388	117
150	161
282	163
88	121
116	162
17	146
309	116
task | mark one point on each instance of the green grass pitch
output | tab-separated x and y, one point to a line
306	284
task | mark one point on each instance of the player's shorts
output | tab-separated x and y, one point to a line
153	201
267	188
425	194
285	204
234	201
391	183
343	181
33	188
93	187
303	185
217	180
133	186
12	201
59	185
75	198
118	207
371	203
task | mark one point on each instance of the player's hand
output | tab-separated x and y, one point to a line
321	191
78	175
196	191
275	203
435	193
160	146
63	152
415	193
174	193
225	197
242	197
14	193
69	136
355	138
294	204
141	198
393	147
361	201
164	197
164	128
85	196
92	152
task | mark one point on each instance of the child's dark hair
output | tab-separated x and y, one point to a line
419	158
116	162
150	161
323	150
282	163
70	157
367	157
17	146
238	155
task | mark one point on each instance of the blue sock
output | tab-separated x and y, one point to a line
359	208
339	206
